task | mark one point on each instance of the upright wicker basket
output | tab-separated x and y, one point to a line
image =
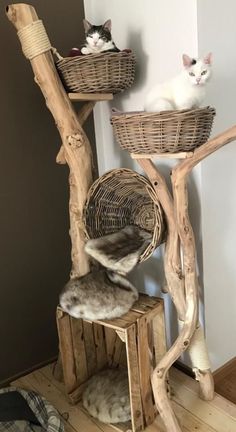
167	131
123	197
98	73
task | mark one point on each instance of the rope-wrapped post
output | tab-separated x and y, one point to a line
75	150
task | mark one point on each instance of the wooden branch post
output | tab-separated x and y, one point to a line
181	283
77	151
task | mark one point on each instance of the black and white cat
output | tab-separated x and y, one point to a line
185	91
98	38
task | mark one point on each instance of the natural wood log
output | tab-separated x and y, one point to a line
85	111
175	285
77	151
179	179
83	114
205	150
172	262
175	282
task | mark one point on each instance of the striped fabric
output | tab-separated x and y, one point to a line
46	414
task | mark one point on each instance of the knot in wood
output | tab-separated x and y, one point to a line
186	343
159	373
186	229
75	140
72	181
74	209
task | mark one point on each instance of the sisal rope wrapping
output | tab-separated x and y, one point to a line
197	350
34	40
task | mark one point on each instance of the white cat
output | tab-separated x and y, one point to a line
187	90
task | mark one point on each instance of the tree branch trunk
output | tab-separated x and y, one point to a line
77	151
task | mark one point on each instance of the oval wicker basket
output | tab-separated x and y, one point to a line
167	131
123	197
98	73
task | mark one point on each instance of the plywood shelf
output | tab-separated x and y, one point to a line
78	97
179	155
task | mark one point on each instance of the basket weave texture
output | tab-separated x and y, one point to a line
98	73
167	131
123	197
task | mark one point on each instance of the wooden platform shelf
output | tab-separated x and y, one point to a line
97	97
135	341
179	155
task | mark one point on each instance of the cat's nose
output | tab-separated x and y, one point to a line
198	80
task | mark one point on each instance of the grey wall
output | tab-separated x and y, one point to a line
35	245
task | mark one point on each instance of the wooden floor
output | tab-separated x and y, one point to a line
193	413
225	380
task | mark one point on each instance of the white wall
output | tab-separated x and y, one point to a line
216	33
158	39
159	33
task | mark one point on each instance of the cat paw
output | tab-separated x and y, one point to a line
84	50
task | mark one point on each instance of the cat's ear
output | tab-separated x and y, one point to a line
107	25
187	61
87	25
208	59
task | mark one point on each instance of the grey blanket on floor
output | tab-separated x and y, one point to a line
41	416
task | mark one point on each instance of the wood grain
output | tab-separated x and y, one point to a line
192	417
90	348
134	383
145	369
90	97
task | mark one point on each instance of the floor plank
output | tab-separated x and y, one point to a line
193	414
226	384
227	407
214	416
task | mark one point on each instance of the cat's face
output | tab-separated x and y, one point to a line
97	36
197	71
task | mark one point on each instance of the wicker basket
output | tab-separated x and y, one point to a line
168	131
119	198
98	73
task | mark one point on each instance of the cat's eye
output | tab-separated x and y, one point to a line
191	74
204	72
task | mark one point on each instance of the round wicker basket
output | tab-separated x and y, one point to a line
98	73
167	131
123	197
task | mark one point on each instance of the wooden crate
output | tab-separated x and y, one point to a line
136	341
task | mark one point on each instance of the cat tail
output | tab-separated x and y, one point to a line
119	251
158	105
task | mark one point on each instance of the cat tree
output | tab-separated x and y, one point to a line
76	152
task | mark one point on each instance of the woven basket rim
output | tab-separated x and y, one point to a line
163	115
102	55
157	235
